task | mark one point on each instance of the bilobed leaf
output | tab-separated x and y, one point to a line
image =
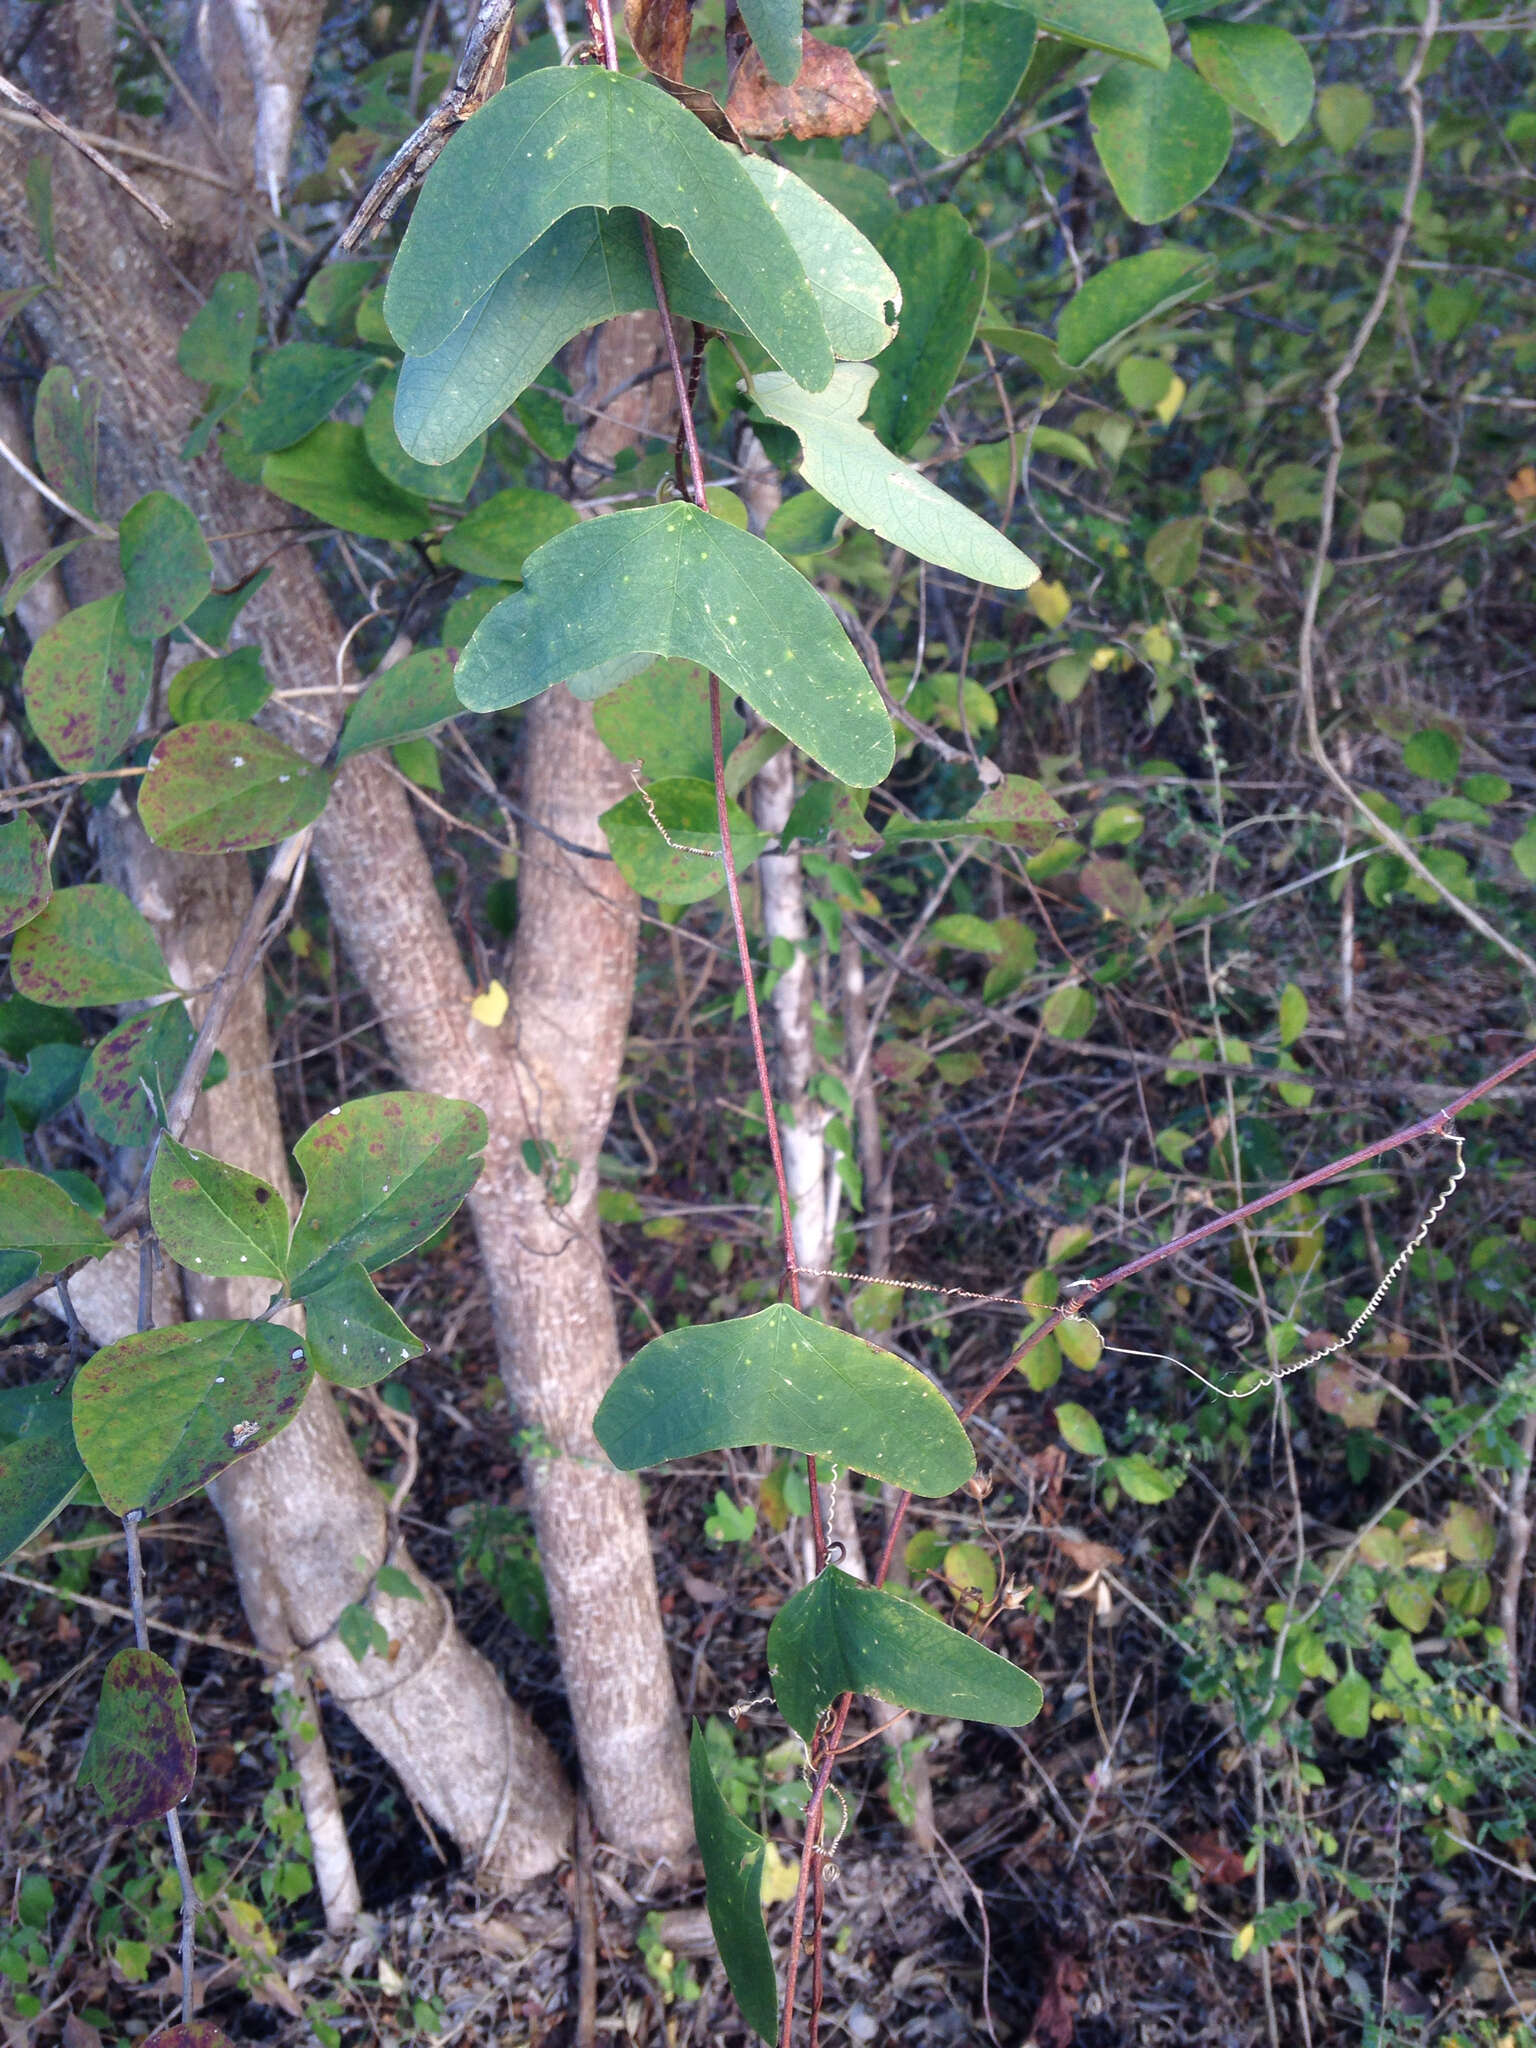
562	138
414	697
1162	137
669	579
660	718
64	435
774	26
329	474
39	1220
89	946
132	1071
855	288
227	686
40	1469
1261	71
162	1412
942	268
85	683
218	341
444	482
733	1890
354	1336
380	1176
954	74
778	1378
217	1220
839	1636
844	461
141	1759
498	536
1125	28
221	788
167	569
1124	294
25	883
685	806
297	387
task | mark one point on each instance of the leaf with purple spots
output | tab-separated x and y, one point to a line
89	946
131	1073
141	1759
218	1221
380	1176
25	884
167	569
222	788
160	1413
64	435
85	683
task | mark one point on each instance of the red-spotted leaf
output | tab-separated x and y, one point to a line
401	703
220	788
162	1412
167	569
64	435
217	1220
141	1759
1117	889
85	683
132	1071
89	946
25	884
380	1176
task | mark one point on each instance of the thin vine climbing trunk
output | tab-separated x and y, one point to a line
302	1510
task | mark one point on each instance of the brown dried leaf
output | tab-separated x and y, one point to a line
1088	1557
1341	1390
659	31
1056	2016
831	96
1216	1863
703	104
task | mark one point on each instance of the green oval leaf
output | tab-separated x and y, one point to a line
1068	1011
132	1072
167	569
25	883
89	946
561	138
85	683
685	806
329	474
1162	137
141	1759
40	1469
1124	294
64	434
1173	552
1080	1343
380	1176
354	1336
444	482
1348	1705
777	1377
220	788
669	579
296	388
844	461
499	535
1261	71
1145	1481
39	1220
954	74
839	1636
660	718
229	686
1125	28
733	1894
1079	1429
160	1413
414	697
218	341
217	1220
942	268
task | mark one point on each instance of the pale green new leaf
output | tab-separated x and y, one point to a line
839	1636
560	138
669	579
844	461
779	1378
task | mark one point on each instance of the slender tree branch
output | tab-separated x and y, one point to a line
76	140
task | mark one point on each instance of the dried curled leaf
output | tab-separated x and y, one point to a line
831	96
659	31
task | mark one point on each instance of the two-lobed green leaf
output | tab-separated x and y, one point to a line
779	1378
669	579
838	1635
561	138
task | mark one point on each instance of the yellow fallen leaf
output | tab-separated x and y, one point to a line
1521	487
1049	602
1167	406
490	1008
780	1877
